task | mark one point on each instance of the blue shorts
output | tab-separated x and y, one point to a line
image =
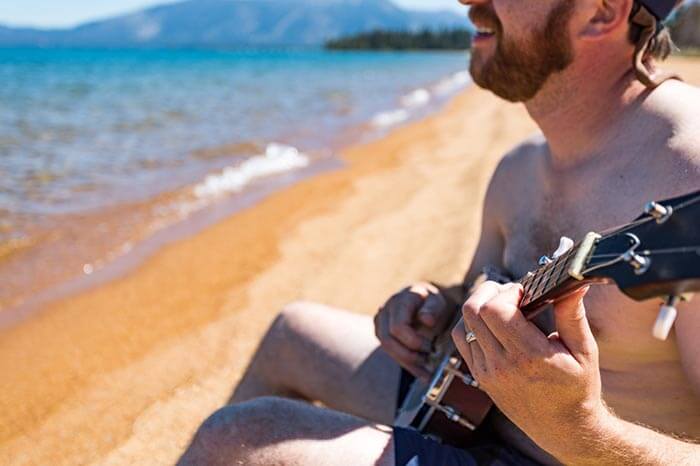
413	449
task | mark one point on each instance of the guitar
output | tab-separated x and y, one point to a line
657	255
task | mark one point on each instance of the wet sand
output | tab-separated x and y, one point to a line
124	373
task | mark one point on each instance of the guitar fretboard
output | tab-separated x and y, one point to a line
547	278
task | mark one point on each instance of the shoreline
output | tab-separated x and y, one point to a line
141	250
125	372
71	252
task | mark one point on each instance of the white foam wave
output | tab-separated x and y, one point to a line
390	118
417	98
452	84
421	97
278	158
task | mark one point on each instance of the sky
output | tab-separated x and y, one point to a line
66	13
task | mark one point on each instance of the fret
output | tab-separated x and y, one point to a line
559	269
547	278
535	283
555	275
546	274
541	285
562	275
542	281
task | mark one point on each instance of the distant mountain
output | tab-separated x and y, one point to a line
237	23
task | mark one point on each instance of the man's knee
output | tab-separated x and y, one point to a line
292	320
234	433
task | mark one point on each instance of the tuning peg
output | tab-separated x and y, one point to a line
659	212
640	264
666	319
544	260
565	244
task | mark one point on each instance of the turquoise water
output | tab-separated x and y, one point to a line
79	128
99	149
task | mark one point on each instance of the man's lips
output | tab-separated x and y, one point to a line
483	34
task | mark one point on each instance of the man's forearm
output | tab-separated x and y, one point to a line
615	441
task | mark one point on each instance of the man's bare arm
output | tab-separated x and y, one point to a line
516	364
620	442
615	441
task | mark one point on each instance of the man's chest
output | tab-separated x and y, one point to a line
622	326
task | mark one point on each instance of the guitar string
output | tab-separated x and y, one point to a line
683	205
650	252
533	293
642	221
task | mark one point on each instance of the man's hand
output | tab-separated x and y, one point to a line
409	322
547	385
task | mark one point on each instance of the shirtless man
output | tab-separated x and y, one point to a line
599	391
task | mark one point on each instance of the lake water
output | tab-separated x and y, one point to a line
100	148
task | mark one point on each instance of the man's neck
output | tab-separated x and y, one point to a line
581	110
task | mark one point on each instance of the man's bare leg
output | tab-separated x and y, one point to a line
275	431
319	353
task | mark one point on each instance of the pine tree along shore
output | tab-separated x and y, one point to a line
452	39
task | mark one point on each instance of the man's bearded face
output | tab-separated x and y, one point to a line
517	69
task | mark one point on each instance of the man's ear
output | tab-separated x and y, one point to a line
607	18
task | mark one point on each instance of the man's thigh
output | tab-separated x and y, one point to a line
332	356
277	431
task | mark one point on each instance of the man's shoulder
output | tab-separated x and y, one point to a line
684	144
523	158
673	135
680	89
679	104
516	173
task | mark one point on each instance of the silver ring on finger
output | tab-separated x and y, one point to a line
470	337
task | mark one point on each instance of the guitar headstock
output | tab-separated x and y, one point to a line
656	255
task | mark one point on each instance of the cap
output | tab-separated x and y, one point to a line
660	8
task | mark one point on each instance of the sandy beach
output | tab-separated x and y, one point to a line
124	373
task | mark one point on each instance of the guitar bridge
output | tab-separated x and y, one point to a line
451	414
449	371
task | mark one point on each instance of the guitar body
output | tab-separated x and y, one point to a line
450	408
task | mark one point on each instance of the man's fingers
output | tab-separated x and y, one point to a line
483	294
474	322
401	316
424	289
478	365
472	353
409	337
572	326
433	313
503	317
459	338
415	362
